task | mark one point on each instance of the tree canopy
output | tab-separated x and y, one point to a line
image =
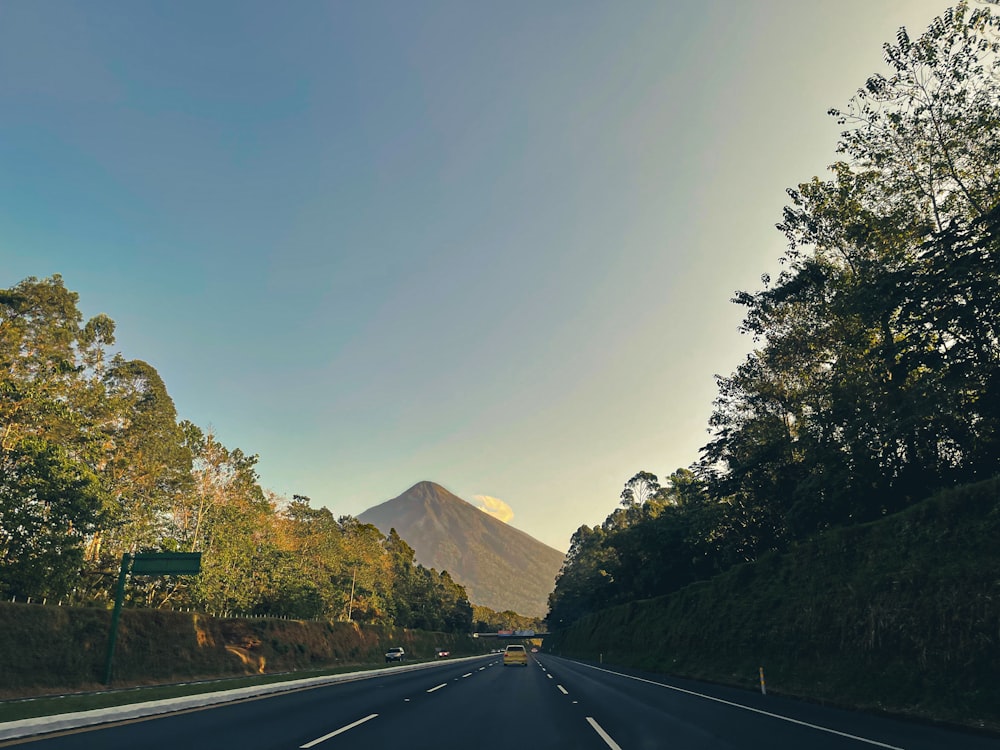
875	374
94	463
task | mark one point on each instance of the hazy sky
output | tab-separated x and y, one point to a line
490	245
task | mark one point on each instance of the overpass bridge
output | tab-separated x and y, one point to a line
511	634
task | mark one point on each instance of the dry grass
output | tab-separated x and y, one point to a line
47	650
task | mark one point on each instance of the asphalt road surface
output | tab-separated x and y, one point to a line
552	703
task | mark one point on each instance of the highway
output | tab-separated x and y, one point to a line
551	703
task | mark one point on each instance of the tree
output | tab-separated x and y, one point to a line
48	503
51	433
878	357
584	584
639	489
146	465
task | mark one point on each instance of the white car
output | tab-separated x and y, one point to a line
396	653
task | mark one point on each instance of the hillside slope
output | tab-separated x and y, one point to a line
898	615
501	567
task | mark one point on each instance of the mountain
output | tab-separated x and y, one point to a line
501	567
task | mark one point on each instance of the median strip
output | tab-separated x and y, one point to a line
325	737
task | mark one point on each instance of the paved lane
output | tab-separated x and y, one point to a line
642	710
553	704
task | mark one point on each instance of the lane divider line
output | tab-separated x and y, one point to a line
603	735
562	690
325	737
438	687
748	708
467	675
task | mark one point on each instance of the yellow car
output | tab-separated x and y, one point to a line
515	655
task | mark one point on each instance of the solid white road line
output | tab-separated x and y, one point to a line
604	735
563	690
748	708
443	684
325	737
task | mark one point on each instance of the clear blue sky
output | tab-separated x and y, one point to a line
490	245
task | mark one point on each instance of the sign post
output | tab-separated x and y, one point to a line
146	564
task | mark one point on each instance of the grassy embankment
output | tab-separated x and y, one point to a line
901	615
47	650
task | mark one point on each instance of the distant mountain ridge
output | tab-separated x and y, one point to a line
501	567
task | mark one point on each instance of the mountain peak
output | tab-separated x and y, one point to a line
426	488
501	567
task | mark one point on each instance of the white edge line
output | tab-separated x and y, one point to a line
748	708
438	687
325	737
604	735
563	690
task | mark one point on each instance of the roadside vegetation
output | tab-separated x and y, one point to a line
803	540
874	378
898	615
50	650
94	463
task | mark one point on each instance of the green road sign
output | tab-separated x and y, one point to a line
166	563
146	564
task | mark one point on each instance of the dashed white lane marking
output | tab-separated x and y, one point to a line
325	737
562	690
748	708
438	687
467	675
604	735
549	676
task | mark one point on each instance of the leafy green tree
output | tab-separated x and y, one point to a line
639	489
51	429
585	583
876	374
48	503
229	519
313	560
147	464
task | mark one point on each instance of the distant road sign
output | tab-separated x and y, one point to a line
166	563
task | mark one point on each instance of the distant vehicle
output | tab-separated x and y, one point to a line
534	649
442	653
396	653
515	655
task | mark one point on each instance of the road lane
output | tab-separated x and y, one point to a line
553	704
644	710
499	708
278	722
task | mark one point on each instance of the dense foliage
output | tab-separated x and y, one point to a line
876	374
94	463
